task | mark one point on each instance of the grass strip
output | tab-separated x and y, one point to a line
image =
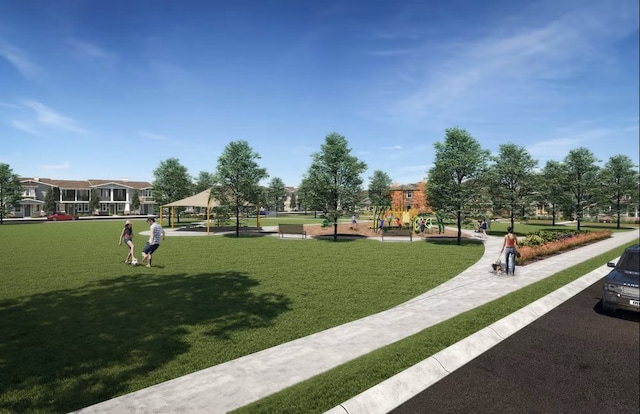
328	390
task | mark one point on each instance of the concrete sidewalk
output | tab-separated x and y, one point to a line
233	384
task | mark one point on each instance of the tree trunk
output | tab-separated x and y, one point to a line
335	230
459	227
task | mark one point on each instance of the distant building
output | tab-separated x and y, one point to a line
73	196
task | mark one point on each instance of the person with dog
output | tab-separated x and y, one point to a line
152	245
509	248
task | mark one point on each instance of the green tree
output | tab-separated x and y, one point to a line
333	182
553	187
293	202
379	188
171	183
94	200
238	177
277	193
619	181
50	198
513	180
204	181
582	176
135	200
10	190
455	180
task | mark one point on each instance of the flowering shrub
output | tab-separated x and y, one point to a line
537	238
529	251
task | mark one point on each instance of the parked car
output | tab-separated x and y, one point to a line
621	287
61	216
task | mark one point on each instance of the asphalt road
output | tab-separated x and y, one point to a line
572	360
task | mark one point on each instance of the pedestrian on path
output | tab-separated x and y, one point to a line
509	248
157	232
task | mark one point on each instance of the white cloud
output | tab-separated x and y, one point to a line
152	136
64	166
48	118
519	62
18	59
92	53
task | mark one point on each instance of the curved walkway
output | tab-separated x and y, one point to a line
233	384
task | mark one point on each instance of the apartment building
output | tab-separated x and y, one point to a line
74	196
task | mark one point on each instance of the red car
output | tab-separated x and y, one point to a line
61	216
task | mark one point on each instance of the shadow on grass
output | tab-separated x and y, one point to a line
64	350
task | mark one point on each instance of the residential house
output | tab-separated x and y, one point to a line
73	196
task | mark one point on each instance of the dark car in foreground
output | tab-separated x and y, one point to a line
61	216
621	287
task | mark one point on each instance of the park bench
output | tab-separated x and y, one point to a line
291	229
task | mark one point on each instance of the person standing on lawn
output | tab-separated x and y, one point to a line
127	235
509	248
157	233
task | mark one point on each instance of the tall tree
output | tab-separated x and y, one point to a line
333	181
553	187
171	183
238	178
50	198
582	176
293	202
379	188
619	181
10	190
455	179
277	193
135	201
94	200
514	179
204	181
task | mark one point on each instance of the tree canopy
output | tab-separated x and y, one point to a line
455	180
581	173
333	182
276	194
619	183
171	182
379	188
10	190
513	172
238	177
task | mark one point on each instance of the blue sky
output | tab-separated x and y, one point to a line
109	89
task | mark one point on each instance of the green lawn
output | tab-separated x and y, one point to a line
78	326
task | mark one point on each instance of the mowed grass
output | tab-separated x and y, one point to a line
328	390
78	326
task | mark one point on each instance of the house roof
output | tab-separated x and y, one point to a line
86	184
406	187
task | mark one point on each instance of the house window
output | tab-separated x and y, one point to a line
29	193
119	194
105	194
409	194
68	195
83	195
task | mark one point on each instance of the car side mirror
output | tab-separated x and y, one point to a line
611	264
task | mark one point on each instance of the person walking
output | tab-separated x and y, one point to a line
354	222
509	248
157	233
483	228
127	235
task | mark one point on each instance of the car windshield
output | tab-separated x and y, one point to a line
630	262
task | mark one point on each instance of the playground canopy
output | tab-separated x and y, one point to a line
202	199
